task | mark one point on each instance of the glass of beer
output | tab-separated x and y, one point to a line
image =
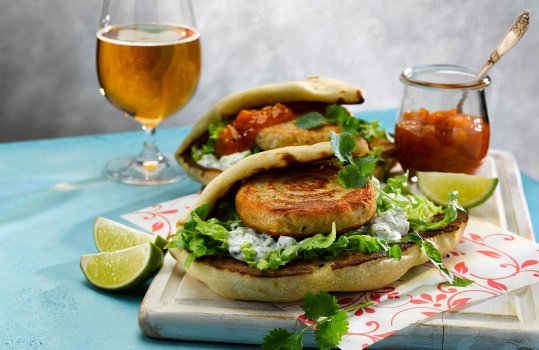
148	65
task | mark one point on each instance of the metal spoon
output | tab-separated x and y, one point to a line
511	37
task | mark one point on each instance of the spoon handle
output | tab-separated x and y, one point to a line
511	37
509	40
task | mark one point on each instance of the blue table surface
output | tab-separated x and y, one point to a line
50	193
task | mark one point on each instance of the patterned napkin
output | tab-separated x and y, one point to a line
497	260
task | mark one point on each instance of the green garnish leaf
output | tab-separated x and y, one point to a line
436	259
349	177
281	339
320	305
343	145
356	173
450	214
310	120
340	115
331	324
365	165
329	331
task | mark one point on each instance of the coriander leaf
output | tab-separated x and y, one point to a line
343	145
281	339
350	177
365	165
433	253
310	120
436	259
371	130
329	331
357	174
321	305
341	116
461	282
337	113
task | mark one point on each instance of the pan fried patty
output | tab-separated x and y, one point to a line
288	134
301	202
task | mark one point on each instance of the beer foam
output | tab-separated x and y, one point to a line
154	35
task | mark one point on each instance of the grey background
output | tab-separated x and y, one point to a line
48	84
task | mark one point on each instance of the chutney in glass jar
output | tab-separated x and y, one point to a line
443	121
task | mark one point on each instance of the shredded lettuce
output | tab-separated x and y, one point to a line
209	147
209	237
396	194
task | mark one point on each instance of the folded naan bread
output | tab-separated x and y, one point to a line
271	111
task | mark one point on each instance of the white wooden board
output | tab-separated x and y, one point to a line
178	307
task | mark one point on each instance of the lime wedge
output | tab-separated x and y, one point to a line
122	269
473	190
110	236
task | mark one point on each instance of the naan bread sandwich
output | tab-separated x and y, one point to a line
274	116
284	222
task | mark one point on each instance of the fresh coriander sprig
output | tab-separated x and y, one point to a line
339	115
343	146
357	172
331	324
436	259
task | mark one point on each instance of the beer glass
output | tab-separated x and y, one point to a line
148	66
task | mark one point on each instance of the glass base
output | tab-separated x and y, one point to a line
135	171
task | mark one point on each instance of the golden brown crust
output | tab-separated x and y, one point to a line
347	273
288	134
300	202
264	161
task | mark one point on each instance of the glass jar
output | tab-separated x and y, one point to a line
443	122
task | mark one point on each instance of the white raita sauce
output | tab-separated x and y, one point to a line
225	162
261	243
389	225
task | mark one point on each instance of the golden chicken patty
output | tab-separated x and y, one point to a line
301	202
288	134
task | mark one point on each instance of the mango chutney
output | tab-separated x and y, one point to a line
441	141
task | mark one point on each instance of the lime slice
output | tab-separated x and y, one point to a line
473	190
110	236
122	269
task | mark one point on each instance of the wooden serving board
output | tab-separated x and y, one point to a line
179	307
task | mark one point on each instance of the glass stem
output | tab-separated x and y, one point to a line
150	157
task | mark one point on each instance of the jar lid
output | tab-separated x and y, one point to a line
443	76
